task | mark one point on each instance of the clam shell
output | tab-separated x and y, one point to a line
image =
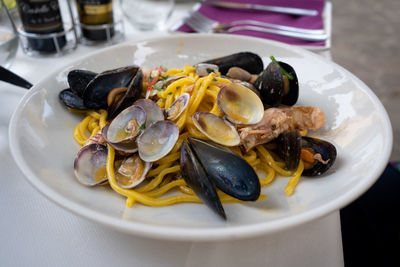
119	129
177	107
90	165
157	140
240	104
153	111
132	171
216	128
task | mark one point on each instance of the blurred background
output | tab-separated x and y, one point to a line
366	41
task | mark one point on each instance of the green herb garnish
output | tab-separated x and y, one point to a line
177	88
287	74
150	78
209	70
142	127
170	93
157	88
215	80
162	78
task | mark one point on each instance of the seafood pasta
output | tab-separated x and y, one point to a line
214	132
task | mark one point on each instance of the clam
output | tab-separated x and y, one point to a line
122	132
205	164
245	60
318	156
177	107
240	104
216	128
203	69
132	171
276	87
157	140
153	111
90	165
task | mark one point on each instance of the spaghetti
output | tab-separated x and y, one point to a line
164	175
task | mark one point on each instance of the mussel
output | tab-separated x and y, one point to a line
245	60
79	79
276	86
89	90
289	148
206	164
90	165
317	155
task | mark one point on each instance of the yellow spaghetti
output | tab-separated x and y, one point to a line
162	178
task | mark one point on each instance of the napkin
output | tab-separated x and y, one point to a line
226	15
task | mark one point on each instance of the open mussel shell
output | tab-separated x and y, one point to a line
195	176
177	107
71	99
230	172
132	171
157	140
79	79
134	89
216	128
275	88
289	148
153	111
124	128
317	148
95	94
90	165
239	104
245	60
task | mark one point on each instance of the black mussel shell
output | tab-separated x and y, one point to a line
195	176
245	60
71	99
325	149
230	173
130	96
270	84
79	79
95	94
289	148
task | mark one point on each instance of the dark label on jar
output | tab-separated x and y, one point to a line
40	16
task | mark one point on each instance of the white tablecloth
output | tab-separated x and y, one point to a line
36	232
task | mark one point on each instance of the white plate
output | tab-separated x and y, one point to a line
42	144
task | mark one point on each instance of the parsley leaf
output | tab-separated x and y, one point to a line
157	88
142	127
150	78
209	70
284	72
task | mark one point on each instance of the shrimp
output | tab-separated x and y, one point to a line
278	120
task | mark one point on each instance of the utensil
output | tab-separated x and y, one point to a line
10	77
42	145
278	9
203	24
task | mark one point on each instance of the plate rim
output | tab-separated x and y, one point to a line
195	233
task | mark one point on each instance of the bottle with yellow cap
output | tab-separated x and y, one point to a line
94	13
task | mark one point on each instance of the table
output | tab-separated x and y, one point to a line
36	232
